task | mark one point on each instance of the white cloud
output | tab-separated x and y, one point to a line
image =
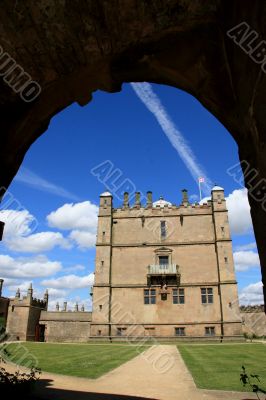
245	260
75	216
239	212
69	282
19	236
28	177
75	268
251	294
193	198
83	239
27	267
37	243
17	222
80	218
248	246
23	286
152	102
8	282
55	293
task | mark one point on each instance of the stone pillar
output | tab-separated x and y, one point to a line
76	307
149	199
126	202
1	286
18	294
82	308
57	306
2	225
65	306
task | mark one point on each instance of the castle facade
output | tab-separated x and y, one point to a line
164	270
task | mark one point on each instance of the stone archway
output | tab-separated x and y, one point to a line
73	48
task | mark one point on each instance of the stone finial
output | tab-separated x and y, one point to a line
1	286
57	306
126	202
137	199
46	296
65	306
18	293
149	199
76	307
184	196
30	291
82	308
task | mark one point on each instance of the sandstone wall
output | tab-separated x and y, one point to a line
66	326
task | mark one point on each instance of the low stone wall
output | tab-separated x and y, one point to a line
66	326
254	320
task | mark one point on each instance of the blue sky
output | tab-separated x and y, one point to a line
56	171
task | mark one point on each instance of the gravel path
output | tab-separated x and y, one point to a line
158	373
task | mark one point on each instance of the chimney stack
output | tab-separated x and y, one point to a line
126	203
185	197
149	199
137	199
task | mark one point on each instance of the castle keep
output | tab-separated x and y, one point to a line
161	270
164	270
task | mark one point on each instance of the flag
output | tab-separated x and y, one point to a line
201	179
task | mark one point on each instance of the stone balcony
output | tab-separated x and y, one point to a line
168	273
167	269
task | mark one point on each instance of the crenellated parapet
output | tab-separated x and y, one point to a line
23	315
38	302
146	206
29	300
252	308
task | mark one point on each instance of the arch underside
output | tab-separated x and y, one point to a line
73	48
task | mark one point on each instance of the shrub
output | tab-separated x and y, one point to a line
252	381
17	383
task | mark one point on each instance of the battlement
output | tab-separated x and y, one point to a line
29	300
146	206
185	209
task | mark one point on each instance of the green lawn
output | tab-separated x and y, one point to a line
84	360
218	366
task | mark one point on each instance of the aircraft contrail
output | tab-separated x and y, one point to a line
152	102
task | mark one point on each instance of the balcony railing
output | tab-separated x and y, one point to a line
167	269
